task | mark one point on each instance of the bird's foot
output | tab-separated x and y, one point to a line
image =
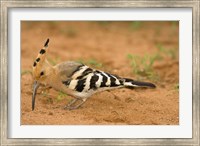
70	105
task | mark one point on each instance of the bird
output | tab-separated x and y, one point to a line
76	79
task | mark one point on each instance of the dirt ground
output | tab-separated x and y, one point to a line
105	46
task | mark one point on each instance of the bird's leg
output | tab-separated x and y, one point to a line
77	106
70	107
70	103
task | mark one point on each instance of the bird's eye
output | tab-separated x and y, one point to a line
42	73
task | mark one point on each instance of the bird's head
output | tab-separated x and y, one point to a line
41	70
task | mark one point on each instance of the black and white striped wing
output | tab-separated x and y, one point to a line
85	79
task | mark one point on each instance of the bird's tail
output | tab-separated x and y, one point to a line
132	83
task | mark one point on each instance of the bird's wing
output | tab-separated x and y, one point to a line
83	78
66	69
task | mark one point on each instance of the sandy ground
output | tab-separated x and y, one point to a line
105	46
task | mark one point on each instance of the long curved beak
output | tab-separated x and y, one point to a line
35	87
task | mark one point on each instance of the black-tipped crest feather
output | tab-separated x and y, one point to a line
46	44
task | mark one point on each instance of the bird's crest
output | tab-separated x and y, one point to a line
39	61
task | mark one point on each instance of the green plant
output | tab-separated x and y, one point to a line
23	72
44	93
93	62
172	53
135	25
52	24
143	65
80	61
90	62
162	51
54	62
69	32
61	95
49	100
176	86
160	47
174	24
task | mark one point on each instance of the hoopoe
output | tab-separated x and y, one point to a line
76	79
